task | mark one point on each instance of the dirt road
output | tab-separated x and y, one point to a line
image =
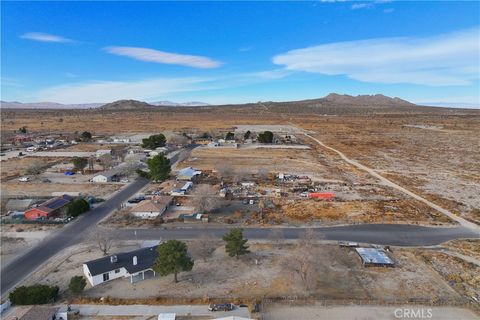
467	224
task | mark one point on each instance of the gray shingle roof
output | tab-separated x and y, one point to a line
145	259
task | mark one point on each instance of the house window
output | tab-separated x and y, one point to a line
117	270
106	276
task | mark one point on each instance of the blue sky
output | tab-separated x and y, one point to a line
234	52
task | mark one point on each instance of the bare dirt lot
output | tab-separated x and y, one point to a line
18	238
439	164
340	276
315	311
17	167
15	188
252	160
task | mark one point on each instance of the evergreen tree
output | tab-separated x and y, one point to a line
172	258
235	244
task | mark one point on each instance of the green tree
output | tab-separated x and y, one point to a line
247	135
159	168
36	294
77	207
77	284
172	258
265	137
23	129
86	136
229	136
80	163
154	141
235	244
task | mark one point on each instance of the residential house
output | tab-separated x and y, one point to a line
51	208
149	209
109	176
188	174
134	264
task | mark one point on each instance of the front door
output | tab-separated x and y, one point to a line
106	276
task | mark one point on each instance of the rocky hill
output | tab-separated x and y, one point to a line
126	105
364	100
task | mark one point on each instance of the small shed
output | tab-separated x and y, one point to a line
374	257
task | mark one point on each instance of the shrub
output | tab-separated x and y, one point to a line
77	284
36	294
77	207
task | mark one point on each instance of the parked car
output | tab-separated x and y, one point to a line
221	307
46	180
24	179
136	200
124	180
69	173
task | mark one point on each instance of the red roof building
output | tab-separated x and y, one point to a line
48	209
321	195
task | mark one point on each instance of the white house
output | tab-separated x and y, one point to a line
134	264
149	209
110	175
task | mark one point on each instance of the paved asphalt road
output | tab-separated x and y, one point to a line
385	234
69	235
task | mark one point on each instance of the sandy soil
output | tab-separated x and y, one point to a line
251	160
37	189
341	276
19	238
16	167
318	311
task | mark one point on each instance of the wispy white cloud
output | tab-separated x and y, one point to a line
356	6
388	10
245	49
449	59
45	37
107	91
152	55
150	89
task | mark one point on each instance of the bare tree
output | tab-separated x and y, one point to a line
35	168
309	238
205	198
224	170
203	247
91	163
276	236
262	174
104	242
132	162
106	161
240	175
179	139
303	263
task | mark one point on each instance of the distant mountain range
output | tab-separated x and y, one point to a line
332	99
120	104
48	105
